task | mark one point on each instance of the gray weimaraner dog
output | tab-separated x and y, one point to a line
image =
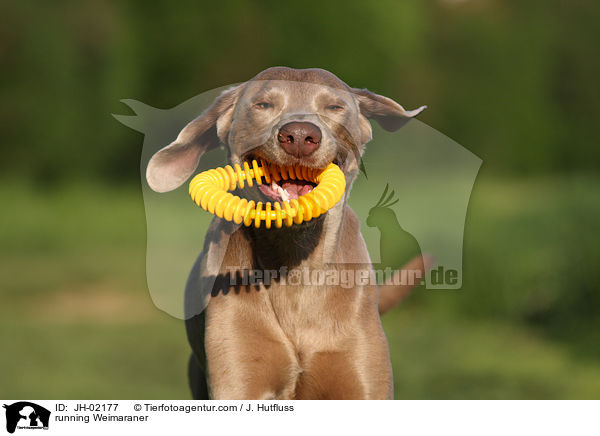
280	340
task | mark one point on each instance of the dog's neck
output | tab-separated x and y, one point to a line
306	244
287	246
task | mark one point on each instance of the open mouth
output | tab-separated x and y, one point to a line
285	188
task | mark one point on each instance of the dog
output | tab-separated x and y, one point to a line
279	340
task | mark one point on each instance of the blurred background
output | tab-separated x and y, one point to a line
514	82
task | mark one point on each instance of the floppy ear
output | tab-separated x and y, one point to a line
389	114
173	165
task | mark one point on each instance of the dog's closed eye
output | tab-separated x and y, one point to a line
263	105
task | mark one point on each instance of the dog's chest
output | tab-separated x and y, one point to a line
315	315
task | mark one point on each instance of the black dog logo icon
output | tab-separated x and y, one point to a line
26	415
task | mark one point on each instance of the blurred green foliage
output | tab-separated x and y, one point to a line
514	81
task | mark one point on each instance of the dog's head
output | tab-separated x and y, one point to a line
286	117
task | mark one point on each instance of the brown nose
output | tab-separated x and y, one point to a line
299	138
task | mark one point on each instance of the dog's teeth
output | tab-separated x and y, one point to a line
285	196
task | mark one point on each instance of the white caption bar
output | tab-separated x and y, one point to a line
297	417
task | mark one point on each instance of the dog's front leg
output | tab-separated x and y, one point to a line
248	356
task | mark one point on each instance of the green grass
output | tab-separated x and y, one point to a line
450	358
76	319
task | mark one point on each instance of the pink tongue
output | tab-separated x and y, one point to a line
266	189
296	189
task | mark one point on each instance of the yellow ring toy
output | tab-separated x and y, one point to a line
209	190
